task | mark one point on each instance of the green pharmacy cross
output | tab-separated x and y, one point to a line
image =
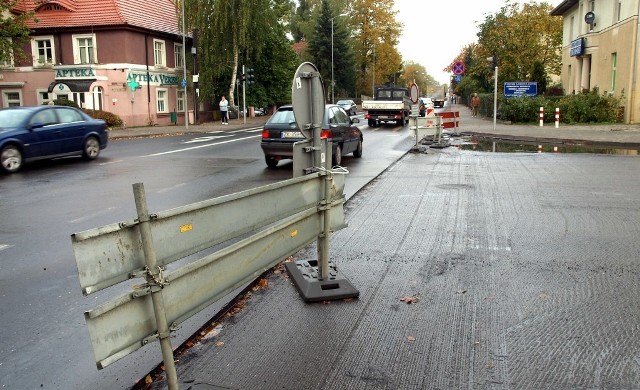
133	84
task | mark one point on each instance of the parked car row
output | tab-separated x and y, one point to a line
281	132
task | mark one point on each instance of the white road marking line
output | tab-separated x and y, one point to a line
5	246
206	139
171	188
199	146
93	214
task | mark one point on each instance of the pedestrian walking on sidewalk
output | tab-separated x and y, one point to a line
475	103
224	110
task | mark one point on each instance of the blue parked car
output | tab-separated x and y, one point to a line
44	132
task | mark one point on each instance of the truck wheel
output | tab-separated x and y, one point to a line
372	123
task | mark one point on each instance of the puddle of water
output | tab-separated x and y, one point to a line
519	147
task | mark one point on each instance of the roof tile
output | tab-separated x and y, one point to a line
155	15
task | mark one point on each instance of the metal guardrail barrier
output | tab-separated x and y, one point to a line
141	247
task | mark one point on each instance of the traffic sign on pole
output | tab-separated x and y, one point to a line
458	68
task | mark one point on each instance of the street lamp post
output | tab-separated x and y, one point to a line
332	82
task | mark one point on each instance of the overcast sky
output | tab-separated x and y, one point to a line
436	30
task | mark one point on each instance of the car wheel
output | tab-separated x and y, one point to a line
358	152
91	148
10	159
337	156
271	161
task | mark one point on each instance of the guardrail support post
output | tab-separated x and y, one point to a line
154	278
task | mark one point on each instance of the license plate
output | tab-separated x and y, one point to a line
292	134
385	117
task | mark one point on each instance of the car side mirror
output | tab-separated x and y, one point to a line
355	120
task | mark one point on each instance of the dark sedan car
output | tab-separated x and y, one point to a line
281	132
43	132
349	106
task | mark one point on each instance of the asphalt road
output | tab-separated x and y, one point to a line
46	342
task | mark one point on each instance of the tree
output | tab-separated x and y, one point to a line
375	33
334	60
14	32
520	36
230	34
539	75
417	73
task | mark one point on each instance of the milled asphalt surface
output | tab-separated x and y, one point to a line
521	268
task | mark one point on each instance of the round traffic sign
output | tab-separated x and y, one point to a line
307	97
458	68
415	93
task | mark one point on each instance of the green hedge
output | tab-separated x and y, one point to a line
112	120
588	107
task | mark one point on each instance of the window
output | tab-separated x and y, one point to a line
7	62
43	51
45	97
159	54
614	65
179	59
84	50
96	99
162	100
46	117
68	115
11	98
619	11
180	100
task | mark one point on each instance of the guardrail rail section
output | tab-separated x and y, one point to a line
141	248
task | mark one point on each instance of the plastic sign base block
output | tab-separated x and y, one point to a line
312	288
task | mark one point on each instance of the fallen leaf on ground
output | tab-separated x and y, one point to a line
220	344
409	299
411	338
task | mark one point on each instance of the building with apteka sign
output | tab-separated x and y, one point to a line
121	56
600	41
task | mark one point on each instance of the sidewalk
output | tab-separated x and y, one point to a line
600	133
607	133
172	130
475	270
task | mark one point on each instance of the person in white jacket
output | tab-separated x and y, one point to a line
224	110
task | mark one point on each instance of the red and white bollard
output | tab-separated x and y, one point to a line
541	116
557	117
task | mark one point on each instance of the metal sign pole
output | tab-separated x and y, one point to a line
155	282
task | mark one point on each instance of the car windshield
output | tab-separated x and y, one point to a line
283	116
13	117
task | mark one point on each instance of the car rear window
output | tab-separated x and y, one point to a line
283	116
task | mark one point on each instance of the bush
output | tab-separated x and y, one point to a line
65	102
112	119
588	107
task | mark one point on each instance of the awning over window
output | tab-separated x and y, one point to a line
74	85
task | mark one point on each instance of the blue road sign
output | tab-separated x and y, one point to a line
520	88
183	83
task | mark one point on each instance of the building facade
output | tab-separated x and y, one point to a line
600	49
122	56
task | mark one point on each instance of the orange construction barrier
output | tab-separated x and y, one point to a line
450	119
